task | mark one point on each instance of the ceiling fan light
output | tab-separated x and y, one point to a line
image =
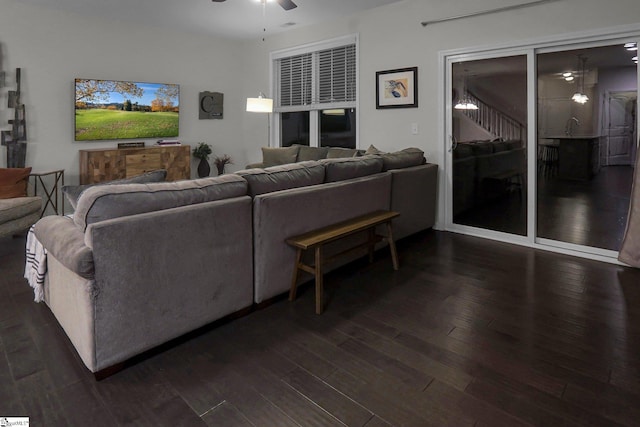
569	78
567	74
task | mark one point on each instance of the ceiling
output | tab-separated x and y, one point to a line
238	19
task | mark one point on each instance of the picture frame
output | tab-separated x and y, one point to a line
397	88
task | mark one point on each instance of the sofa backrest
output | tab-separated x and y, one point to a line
403	159
283	177
351	167
113	201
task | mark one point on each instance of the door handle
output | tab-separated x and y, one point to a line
454	143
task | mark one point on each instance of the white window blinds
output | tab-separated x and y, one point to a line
337	75
295	80
317	79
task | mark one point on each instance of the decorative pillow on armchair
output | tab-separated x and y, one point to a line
73	192
13	182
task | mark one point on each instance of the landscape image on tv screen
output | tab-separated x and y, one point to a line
109	109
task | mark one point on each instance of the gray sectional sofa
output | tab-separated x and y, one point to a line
476	161
140	264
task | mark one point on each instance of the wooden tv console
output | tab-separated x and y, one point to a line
98	165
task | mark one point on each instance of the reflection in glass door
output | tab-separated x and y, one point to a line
586	129
489	130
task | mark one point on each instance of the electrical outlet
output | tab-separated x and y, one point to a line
414	128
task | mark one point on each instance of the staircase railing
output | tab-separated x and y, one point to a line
494	121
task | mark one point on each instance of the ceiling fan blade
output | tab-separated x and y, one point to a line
218	1
287	4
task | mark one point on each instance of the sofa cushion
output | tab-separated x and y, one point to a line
273	156
351	167
462	151
13	182
512	144
337	152
312	153
403	159
104	202
72	192
499	147
283	177
18	207
482	148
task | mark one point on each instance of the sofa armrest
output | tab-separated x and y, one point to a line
414	194
65	241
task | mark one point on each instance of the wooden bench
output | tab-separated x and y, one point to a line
316	239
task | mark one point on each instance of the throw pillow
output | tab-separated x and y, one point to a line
73	192
279	155
373	150
13	182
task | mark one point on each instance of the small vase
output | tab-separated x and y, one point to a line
220	168
203	168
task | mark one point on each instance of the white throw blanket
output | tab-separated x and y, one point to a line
35	267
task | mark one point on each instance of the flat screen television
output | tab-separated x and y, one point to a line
110	109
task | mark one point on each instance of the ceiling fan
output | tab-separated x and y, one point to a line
286	4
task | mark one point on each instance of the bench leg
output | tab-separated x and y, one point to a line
392	246
296	270
318	269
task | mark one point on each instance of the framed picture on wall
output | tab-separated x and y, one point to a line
397	88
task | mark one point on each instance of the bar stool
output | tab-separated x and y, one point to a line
548	153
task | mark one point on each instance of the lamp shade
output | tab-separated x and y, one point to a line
260	105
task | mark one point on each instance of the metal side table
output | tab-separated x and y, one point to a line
52	195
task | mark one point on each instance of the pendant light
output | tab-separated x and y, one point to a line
465	102
580	97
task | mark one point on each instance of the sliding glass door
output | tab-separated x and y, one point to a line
542	142
489	150
586	128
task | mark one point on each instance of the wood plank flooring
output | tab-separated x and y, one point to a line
590	213
468	332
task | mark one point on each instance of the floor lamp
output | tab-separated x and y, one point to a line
262	104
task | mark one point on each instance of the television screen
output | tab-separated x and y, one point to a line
109	109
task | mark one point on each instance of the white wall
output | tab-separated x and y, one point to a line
392	37
52	48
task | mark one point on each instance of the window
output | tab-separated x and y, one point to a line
316	94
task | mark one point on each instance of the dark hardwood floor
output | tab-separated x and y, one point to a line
469	332
590	213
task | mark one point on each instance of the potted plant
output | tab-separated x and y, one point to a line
202	152
221	162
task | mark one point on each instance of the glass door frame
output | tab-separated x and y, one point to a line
466	229
531	49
